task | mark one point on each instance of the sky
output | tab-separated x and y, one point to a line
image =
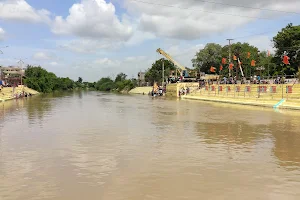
99	38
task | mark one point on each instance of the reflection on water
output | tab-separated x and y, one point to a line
237	133
287	148
89	145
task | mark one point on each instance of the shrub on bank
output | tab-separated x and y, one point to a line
119	85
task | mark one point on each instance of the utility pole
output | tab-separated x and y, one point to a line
229	52
163	74
21	62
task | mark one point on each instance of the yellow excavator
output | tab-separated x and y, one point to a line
183	71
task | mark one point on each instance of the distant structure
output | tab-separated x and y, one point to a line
141	79
11	76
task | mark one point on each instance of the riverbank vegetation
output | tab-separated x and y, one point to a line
43	81
120	84
286	42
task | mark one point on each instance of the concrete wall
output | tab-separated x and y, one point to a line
173	89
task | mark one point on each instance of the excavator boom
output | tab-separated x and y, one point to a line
162	52
184	72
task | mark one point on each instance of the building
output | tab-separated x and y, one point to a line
11	76
141	79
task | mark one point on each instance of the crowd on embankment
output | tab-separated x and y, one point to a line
267	95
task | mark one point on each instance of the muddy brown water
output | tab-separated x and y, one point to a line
89	145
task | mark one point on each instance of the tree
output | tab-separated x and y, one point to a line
91	85
154	74
266	62
120	77
211	55
246	53
79	80
105	84
41	80
121	84
288	39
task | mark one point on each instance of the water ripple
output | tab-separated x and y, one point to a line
89	145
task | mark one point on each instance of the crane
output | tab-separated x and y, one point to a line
181	69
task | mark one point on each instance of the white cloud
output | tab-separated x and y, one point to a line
196	20
93	19
103	67
263	43
88	45
133	59
20	10
2	34
138	37
43	56
104	62
53	63
84	45
288	5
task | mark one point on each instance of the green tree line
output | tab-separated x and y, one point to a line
120	84
286	42
43	81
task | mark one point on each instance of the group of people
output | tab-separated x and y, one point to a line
159	91
184	91
22	94
256	79
279	80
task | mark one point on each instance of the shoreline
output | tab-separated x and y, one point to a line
140	90
286	104
10	93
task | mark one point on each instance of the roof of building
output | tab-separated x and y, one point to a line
11	68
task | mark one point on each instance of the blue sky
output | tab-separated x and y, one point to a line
97	38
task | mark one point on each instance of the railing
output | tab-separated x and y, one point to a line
262	91
286	79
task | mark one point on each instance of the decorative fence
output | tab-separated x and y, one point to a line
267	91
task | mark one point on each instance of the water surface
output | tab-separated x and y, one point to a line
89	145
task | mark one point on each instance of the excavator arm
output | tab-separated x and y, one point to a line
178	66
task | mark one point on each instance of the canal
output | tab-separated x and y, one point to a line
90	145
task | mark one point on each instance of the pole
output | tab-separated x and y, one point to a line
163	73
282	83
268	71
229	52
259	84
240	67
